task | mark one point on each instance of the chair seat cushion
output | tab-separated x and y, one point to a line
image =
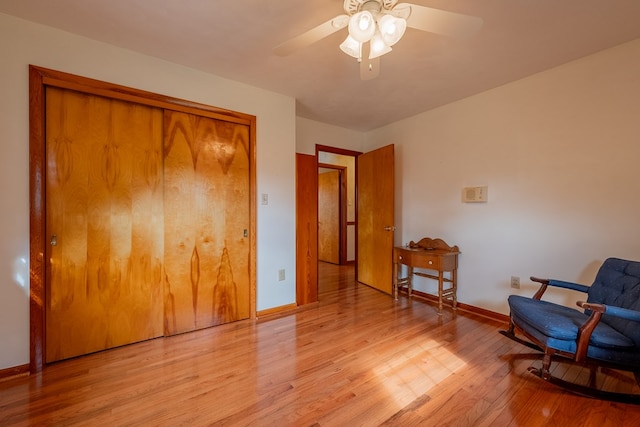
562	323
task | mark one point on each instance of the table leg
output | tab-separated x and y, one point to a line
440	290
454	279
409	279
395	280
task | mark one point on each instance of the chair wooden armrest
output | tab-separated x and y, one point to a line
558	284
597	310
543	287
611	310
585	331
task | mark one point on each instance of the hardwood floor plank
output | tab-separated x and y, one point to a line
356	358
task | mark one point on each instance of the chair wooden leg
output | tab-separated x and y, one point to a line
511	329
546	364
544	372
593	373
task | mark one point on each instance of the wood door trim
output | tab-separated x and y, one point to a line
335	150
37	220
306	230
110	90
39	79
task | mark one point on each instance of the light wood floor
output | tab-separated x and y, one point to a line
356	359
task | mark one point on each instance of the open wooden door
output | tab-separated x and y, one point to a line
329	216
375	200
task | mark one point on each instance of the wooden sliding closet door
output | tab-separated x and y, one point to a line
104	204
207	221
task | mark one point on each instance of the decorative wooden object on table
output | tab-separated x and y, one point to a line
428	254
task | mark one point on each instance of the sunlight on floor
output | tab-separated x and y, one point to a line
416	371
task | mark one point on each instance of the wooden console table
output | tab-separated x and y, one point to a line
428	254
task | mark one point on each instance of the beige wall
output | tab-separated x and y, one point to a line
23	43
560	153
310	133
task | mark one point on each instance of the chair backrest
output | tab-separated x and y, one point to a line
618	284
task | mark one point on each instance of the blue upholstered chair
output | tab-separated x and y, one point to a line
605	333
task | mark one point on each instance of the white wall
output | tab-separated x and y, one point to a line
23	43
560	152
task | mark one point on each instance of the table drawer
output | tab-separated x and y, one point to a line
431	262
419	259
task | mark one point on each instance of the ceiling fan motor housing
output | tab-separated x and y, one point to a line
351	7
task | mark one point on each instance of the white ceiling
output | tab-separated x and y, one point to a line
235	39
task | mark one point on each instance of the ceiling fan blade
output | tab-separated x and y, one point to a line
312	36
369	68
439	21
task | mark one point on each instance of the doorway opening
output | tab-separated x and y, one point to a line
337	207
337	217
368	233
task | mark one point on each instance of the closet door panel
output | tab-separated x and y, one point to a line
105	223
207	217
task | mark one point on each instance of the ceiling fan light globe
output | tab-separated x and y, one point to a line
378	47
351	47
362	26
392	29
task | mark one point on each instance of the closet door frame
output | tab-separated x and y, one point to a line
39	79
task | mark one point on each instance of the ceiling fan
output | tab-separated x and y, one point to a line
376	25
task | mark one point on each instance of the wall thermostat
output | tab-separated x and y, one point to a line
475	194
